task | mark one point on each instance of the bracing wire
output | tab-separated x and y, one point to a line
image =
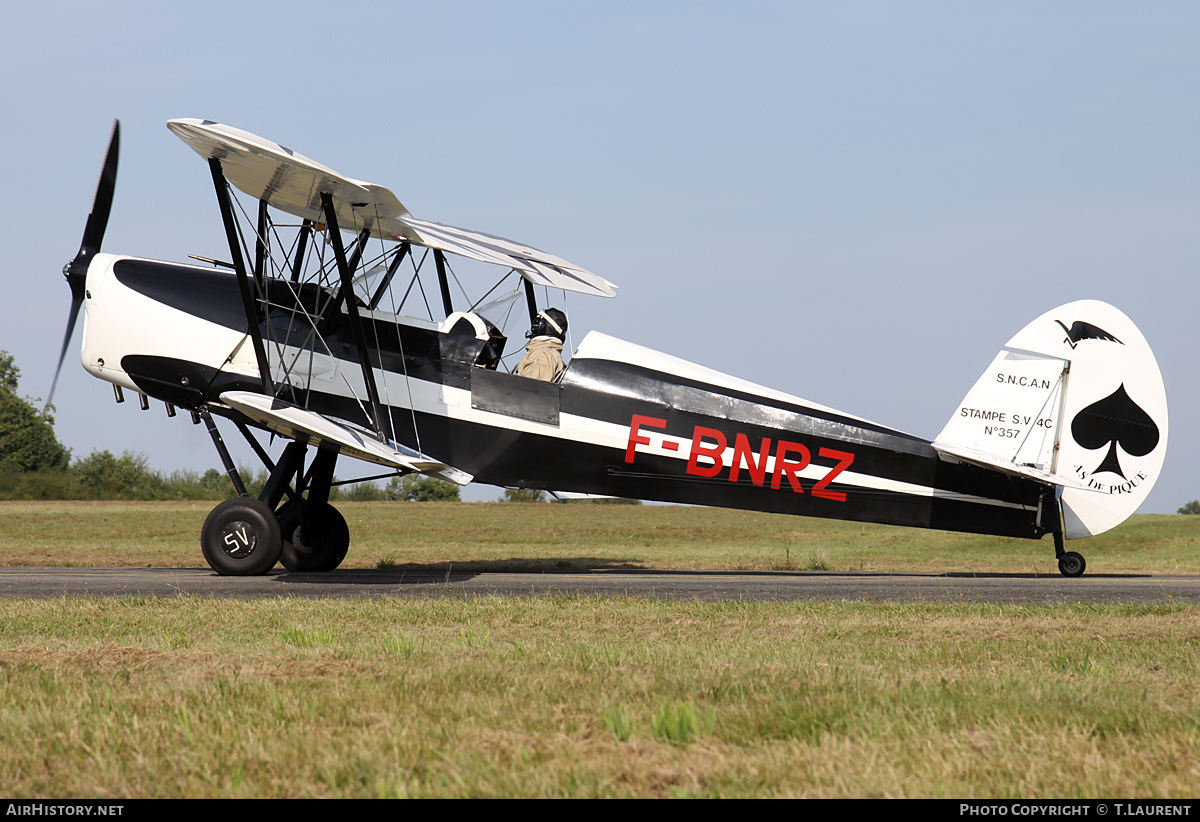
295	311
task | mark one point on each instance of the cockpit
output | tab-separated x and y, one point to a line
466	337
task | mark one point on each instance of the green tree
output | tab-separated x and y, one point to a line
27	440
421	488
128	476
365	491
1192	507
214	480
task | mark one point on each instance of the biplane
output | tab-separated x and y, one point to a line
337	322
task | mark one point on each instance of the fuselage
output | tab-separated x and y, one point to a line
622	420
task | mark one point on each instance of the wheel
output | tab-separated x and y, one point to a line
241	537
320	545
1071	564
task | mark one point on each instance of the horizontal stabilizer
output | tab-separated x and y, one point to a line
298	423
986	460
294	183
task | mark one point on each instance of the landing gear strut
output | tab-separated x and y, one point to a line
1070	564
244	536
315	535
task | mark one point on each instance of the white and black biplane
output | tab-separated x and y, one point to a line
337	323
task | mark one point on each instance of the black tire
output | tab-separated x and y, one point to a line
321	546
1071	564
241	537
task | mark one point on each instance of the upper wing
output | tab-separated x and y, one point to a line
289	181
536	266
294	183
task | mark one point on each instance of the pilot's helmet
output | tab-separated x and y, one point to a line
550	323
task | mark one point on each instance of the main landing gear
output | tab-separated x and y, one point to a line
245	536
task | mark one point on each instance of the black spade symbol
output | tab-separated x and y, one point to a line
1115	420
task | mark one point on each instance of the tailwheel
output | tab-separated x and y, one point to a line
241	537
315	537
1071	564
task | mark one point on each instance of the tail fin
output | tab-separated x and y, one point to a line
1076	400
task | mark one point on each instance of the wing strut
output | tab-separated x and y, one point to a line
301	247
440	258
243	278
356	328
391	272
330	311
260	249
531	302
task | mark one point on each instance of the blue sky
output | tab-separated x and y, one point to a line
854	202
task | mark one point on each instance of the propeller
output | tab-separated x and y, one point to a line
93	233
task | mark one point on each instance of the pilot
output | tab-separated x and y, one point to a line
543	360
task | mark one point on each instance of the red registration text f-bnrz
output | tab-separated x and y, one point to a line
707	457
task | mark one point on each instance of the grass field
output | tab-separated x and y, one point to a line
582	696
531	536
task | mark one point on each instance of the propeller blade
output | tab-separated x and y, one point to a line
97	222
93	236
76	302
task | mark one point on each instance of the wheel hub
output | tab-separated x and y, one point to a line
239	539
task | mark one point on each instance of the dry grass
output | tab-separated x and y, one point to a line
574	697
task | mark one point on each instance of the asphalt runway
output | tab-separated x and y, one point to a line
681	585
